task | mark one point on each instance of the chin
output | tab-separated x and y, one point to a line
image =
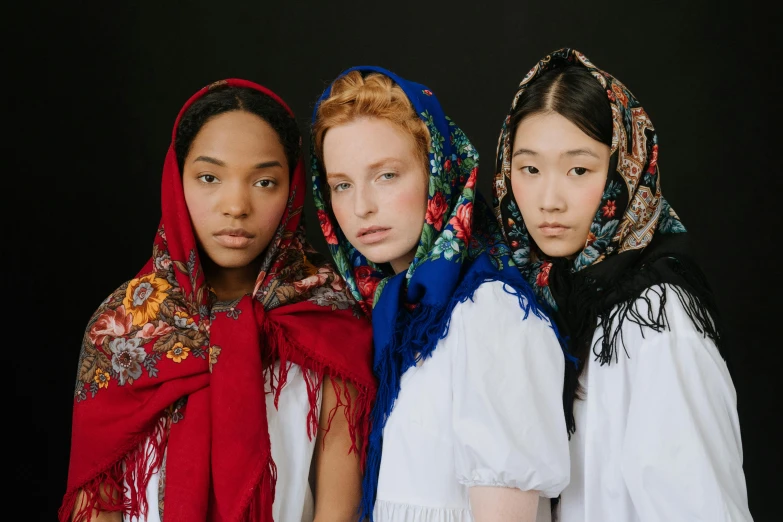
233	261
554	249
381	255
377	258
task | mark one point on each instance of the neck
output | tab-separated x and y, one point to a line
401	264
231	283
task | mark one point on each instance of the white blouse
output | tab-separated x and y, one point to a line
292	451
657	434
484	410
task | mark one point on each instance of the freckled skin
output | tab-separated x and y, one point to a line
377	178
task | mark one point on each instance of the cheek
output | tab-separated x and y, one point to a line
197	209
272	212
524	195
587	201
340	209
411	202
407	208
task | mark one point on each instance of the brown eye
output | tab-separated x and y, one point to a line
208	178
579	171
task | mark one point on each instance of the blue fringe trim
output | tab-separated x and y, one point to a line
415	337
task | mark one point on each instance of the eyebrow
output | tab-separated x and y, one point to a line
372	166
379	163
215	161
580	152
335	175
573	152
519	152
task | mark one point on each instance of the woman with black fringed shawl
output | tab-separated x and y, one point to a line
650	404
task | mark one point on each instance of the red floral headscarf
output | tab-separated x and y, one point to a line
164	369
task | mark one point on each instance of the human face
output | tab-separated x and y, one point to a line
558	175
378	187
235	179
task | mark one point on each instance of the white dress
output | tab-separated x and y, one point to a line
657	435
292	452
484	410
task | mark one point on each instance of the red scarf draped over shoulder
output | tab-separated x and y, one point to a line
163	369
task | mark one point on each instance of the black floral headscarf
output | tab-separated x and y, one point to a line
636	240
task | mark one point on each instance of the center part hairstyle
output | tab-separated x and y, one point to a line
636	239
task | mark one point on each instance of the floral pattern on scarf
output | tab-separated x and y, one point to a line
632	208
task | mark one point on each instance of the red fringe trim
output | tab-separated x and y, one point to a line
259	507
357	411
123	485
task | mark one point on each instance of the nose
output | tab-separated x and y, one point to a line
235	201
364	202
552	196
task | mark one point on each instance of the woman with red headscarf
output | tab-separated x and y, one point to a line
207	383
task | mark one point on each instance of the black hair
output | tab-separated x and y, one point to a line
227	98
575	94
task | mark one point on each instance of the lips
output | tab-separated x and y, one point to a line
370	235
370	230
234	237
552	229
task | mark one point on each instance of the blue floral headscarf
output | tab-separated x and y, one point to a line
461	246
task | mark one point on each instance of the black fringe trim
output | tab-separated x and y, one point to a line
591	305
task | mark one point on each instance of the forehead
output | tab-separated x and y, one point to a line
362	142
550	132
237	133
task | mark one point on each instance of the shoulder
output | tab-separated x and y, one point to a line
673	307
113	311
495	295
494	302
665	319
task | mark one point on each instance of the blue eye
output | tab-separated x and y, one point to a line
340	187
388	175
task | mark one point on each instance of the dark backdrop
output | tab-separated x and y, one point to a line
92	91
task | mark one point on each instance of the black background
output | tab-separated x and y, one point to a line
92	91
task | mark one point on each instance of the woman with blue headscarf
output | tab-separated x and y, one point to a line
468	421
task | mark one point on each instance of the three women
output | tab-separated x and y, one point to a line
225	361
